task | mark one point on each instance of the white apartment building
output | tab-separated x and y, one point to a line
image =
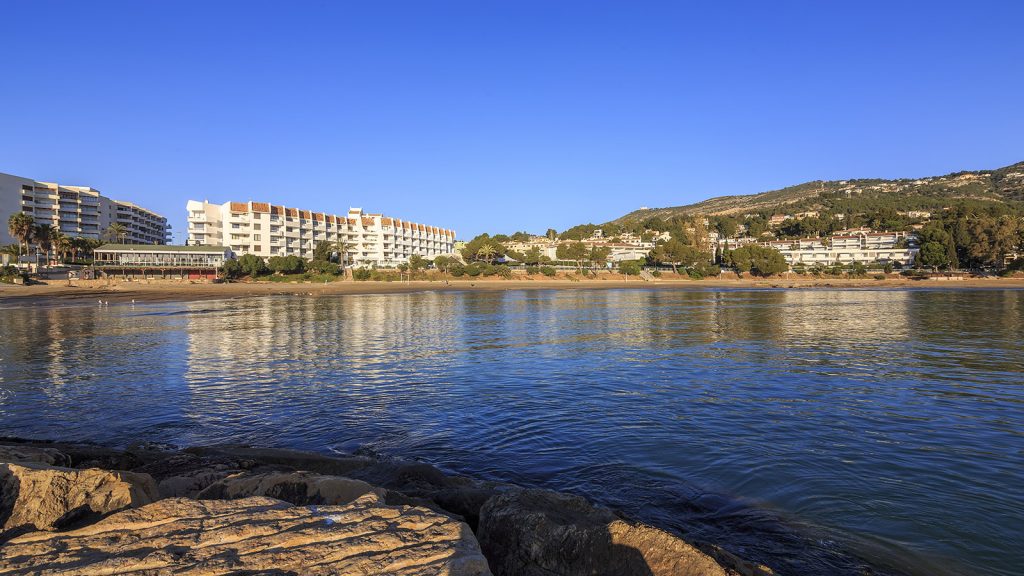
861	245
77	211
268	230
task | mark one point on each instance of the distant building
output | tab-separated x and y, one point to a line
269	230
133	260
625	246
860	245
77	211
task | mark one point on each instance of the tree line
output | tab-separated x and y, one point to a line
51	240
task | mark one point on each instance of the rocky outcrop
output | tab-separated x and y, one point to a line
256	535
295	487
39	497
283	511
540	533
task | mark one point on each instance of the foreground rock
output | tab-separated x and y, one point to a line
255	535
35	496
540	533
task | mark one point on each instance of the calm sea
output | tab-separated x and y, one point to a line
819	432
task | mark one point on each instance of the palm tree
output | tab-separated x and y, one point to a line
118	232
44	240
61	243
21	226
342	247
78	245
486	252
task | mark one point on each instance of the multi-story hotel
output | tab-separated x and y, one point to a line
267	230
77	211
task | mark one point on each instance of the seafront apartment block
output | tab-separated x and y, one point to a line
268	230
77	211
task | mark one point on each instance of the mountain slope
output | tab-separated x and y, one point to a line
1004	185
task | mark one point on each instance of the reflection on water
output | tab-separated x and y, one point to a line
795	427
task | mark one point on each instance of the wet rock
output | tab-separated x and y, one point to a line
35	496
295	487
182	474
283	458
541	533
407	483
87	455
256	535
38	454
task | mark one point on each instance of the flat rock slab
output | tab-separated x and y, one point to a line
255	535
35	496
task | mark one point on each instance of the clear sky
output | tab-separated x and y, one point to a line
483	115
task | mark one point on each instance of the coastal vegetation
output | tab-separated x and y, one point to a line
48	240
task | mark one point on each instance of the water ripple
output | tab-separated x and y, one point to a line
819	432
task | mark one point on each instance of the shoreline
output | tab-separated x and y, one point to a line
156	291
512	522
517	527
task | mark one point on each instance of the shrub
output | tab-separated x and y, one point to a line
252	265
457	269
630	267
656	273
489	270
548	271
231	269
324	267
705	269
361	274
858	270
503	271
286	264
759	260
532	270
8	274
879	276
472	270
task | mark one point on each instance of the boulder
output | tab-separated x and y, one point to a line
38	454
542	533
295	487
35	496
255	535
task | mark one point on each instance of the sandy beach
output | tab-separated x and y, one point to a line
172	291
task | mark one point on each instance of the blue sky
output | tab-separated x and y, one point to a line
499	116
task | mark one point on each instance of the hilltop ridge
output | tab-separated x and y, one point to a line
1003	185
